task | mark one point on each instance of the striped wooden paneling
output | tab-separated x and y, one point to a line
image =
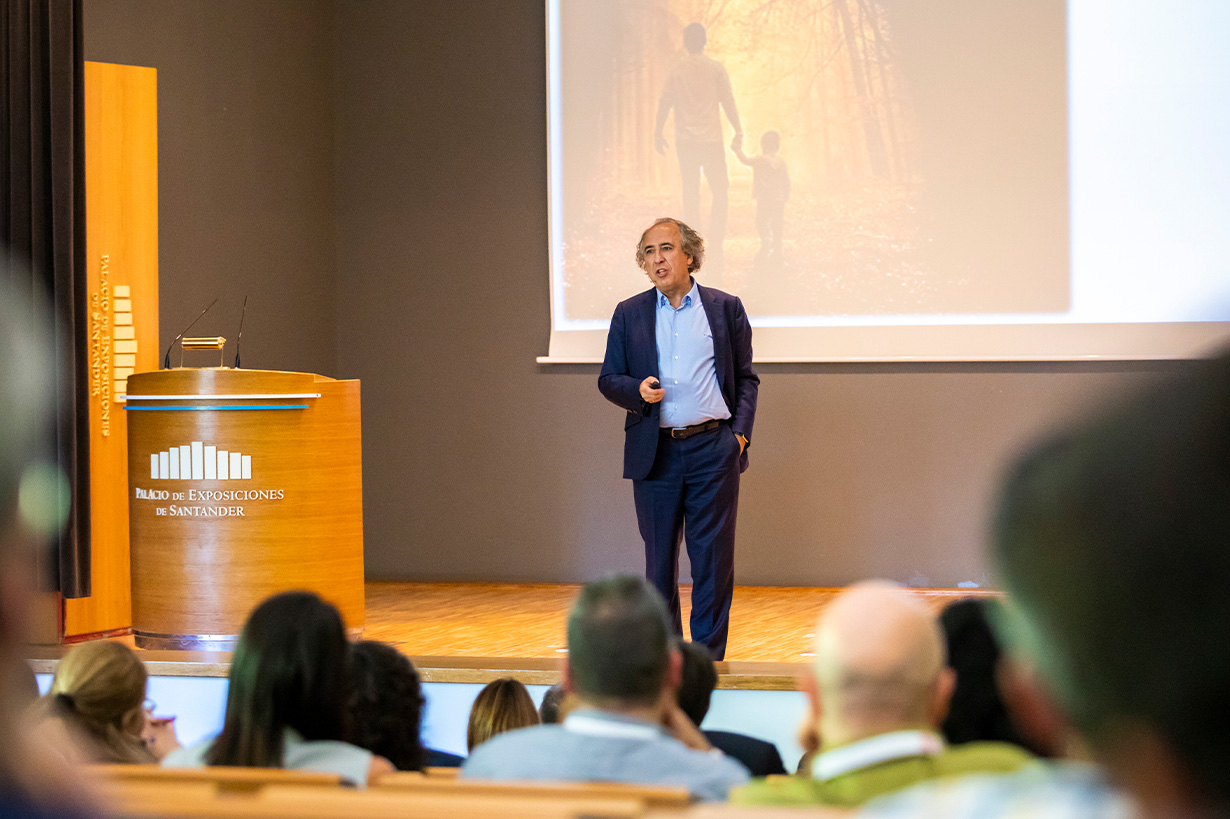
121	188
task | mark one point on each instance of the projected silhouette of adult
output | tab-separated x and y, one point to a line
696	87
679	360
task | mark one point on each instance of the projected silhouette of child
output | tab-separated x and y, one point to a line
771	189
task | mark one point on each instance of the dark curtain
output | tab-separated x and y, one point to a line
42	193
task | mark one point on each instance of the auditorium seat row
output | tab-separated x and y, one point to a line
141	791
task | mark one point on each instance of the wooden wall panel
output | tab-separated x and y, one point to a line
121	188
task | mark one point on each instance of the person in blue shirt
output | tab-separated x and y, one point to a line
624	671
679	361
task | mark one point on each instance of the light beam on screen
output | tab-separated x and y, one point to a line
1024	180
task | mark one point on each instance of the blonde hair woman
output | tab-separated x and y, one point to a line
98	694
503	705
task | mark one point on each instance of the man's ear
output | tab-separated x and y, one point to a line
808	685
567	679
674	669
1034	710
809	729
941	697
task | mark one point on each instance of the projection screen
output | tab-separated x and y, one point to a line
915	179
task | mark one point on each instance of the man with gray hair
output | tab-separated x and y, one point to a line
879	691
624	670
679	361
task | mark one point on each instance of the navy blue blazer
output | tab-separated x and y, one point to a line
761	758
632	356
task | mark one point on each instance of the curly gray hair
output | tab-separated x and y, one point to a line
692	243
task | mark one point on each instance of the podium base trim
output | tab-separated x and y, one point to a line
200	642
184	642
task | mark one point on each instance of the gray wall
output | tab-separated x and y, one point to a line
245	173
407	172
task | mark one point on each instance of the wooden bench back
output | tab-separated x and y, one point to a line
442	773
221	777
201	800
656	797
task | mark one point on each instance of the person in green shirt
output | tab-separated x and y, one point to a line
879	690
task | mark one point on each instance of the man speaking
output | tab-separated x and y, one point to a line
679	360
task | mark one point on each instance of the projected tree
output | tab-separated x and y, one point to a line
820	73
872	181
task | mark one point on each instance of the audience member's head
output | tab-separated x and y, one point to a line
99	692
699	678
386	704
770	142
290	670
977	711
879	665
619	645
502	705
550	711
1114	543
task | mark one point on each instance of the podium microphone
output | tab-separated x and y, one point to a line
241	317
166	361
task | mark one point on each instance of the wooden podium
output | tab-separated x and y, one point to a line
242	484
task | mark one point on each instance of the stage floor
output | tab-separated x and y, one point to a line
477	632
768	624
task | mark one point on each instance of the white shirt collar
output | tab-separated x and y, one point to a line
874	750
595	723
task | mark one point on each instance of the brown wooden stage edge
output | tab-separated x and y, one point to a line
478	632
242	484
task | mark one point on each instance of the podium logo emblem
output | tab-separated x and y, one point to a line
198	462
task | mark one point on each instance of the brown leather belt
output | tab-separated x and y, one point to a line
696	429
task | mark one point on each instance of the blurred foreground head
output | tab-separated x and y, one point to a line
549	712
502	705
99	689
34	776
879	664
290	669
386	704
25	420
1114	543
977	711
619	643
697	682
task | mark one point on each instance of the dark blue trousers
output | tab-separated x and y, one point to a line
693	491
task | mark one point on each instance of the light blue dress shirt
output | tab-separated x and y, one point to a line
685	364
599	746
